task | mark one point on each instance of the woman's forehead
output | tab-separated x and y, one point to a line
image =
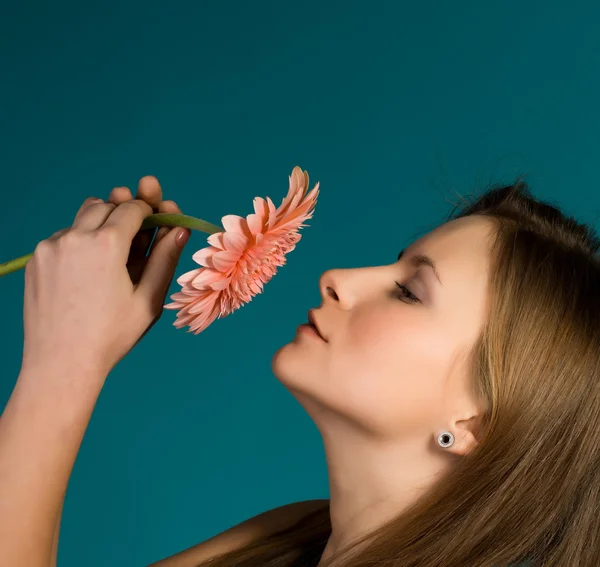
458	245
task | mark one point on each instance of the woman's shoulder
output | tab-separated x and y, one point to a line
257	527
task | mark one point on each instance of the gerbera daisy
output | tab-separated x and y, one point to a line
244	257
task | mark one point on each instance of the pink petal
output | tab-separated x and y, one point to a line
188	276
255	223
225	260
235	241
233	223
216	240
204	256
205	278
243	257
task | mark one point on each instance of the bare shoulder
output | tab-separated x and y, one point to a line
243	533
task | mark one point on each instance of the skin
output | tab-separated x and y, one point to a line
150	191
393	374
391	377
54	396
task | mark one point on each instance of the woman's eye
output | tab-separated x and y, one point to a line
406	293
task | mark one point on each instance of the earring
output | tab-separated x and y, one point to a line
445	439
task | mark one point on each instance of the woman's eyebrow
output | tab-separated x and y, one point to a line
423	260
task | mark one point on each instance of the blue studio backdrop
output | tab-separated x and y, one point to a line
391	105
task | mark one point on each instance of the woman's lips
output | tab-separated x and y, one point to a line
310	330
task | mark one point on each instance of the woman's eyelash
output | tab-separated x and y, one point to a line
407	293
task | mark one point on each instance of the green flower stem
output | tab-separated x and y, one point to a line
170	219
151	221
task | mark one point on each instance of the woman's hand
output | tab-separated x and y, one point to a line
90	294
90	291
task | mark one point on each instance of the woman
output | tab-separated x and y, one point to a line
456	389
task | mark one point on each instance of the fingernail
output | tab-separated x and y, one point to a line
183	237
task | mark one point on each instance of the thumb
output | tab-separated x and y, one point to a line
160	269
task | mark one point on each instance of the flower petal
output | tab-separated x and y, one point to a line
234	223
204	256
188	276
205	278
235	241
243	257
216	240
225	260
255	223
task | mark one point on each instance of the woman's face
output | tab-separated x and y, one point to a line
393	365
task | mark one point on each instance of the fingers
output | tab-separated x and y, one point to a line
163	232
88	202
58	233
149	190
92	216
126	219
119	195
166	207
142	240
159	271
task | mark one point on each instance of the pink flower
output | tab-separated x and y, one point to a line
243	257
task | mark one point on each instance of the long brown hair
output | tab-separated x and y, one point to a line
530	492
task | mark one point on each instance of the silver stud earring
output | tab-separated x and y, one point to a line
445	439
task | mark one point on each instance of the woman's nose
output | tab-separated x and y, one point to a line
328	285
349	285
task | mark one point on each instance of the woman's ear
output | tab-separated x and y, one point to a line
467	434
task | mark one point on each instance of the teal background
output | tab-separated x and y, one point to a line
390	105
